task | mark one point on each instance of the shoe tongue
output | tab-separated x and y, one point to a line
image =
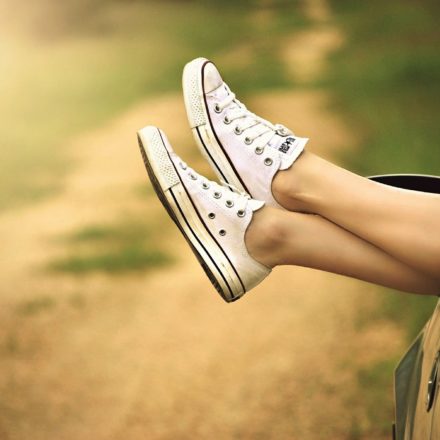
255	205
287	146
212	78
284	144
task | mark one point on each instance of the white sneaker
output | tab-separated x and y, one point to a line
211	218
244	150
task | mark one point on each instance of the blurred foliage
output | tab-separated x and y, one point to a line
113	249
35	305
376	382
70	66
388	80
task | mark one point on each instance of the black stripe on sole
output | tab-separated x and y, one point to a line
212	236
156	185
208	231
237	175
205	227
209	154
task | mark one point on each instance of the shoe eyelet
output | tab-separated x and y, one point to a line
259	150
211	215
229	203
217	108
268	161
281	131
193	176
248	141
226	120
205	185
222	232
217	195
183	166
241	213
238	130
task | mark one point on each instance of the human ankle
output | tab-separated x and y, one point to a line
287	187
264	237
294	188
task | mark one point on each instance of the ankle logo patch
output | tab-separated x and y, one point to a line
286	145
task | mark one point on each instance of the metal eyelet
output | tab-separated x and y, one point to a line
193	176
229	203
211	215
205	185
259	150
241	213
217	195
268	161
217	108
281	131
226	120
238	130
222	232
183	166
248	141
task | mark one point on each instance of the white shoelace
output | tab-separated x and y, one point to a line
255	126
234	198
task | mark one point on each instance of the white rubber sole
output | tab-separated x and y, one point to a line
176	200
204	134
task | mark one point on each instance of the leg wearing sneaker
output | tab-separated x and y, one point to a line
237	239
278	237
403	223
269	162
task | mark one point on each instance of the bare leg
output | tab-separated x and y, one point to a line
405	224
277	237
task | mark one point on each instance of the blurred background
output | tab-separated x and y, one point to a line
109	328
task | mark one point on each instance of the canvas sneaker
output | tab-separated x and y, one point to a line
212	218
244	149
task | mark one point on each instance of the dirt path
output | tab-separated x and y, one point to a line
306	52
160	356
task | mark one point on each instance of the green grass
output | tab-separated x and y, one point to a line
387	82
121	248
73	71
35	305
130	258
377	393
410	311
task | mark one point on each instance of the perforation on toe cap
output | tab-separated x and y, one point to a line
151	138
192	92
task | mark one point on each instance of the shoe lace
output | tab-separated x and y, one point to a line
254	125
235	190
234	197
